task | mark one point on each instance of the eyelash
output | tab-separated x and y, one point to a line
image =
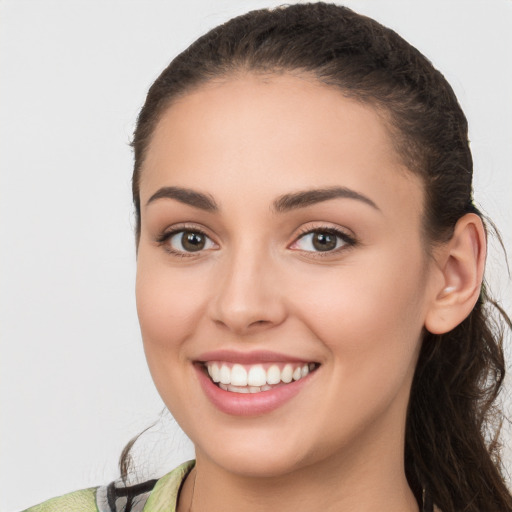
164	238
348	240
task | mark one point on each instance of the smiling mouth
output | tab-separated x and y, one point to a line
256	378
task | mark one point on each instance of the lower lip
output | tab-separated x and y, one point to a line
249	404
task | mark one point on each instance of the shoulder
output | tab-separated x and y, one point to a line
78	501
166	490
115	497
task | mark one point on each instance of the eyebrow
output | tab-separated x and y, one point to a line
283	204
186	196
306	198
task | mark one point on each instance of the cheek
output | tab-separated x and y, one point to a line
168	308
169	304
370	320
369	316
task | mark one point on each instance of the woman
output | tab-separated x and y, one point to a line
309	275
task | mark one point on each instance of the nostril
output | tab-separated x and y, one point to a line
258	323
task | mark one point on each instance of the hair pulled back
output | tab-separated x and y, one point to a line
449	451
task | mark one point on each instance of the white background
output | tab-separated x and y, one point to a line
74	385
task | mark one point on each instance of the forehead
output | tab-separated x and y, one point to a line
276	133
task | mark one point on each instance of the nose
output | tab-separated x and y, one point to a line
248	296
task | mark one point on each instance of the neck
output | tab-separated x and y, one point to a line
367	479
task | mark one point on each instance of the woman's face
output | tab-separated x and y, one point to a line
281	238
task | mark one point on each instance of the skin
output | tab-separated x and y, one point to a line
359	310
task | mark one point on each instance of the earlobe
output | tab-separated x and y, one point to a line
461	263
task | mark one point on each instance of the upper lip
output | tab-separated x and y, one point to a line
253	357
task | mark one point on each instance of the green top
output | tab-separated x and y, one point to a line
154	496
162	496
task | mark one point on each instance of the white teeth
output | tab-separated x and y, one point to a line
257	376
274	375
225	374
287	374
253	379
214	372
297	373
238	389
238	375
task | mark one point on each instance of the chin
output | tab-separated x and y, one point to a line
258	463
259	453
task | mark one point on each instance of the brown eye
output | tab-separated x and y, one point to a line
192	241
322	241
189	241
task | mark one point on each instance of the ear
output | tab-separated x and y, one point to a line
461	263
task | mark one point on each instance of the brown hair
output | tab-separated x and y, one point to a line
459	374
